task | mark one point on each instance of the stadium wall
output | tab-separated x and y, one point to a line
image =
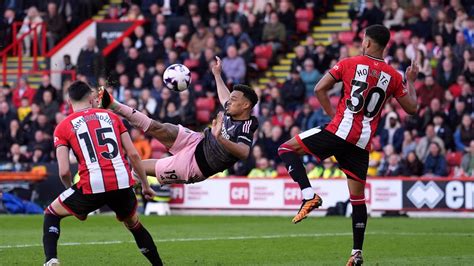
238	196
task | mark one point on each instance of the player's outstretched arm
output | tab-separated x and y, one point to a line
321	90
239	150
222	90
409	101
137	165
62	154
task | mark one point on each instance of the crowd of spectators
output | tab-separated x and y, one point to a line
440	37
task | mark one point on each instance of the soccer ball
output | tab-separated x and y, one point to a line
177	77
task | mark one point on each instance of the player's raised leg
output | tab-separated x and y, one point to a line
51	231
143	239
164	132
290	152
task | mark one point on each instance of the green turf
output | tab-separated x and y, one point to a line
244	241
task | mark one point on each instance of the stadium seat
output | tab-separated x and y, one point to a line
157	149
194	76
303	16
198	88
334	101
207	104
454	158
346	37
191	63
314	102
281	171
203	116
263	51
262	63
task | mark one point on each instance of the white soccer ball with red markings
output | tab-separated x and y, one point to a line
177	77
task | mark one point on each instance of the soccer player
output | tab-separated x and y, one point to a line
196	155
368	82
101	143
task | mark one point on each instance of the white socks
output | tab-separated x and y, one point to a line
354	251
308	193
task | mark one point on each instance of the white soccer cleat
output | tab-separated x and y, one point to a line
52	262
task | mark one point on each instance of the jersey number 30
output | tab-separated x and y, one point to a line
371	104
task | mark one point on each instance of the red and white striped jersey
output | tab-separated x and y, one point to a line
94	137
367	83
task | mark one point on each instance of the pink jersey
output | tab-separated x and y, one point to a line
367	84
94	137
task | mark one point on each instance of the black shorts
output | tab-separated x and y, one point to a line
123	202
353	161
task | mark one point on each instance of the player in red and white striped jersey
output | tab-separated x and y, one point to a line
101	144
368	82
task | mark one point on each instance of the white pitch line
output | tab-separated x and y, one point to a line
239	238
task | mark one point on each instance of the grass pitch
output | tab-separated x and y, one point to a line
195	240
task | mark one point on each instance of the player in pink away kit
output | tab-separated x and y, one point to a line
101	144
368	82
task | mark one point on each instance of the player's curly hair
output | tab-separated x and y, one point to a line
248	92
78	90
379	33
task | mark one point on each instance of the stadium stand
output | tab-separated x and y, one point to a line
311	37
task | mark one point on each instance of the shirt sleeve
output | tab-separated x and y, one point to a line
60	138
400	89
247	131
337	70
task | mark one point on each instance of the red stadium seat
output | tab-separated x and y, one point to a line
207	104
203	116
302	26
314	102
198	88
262	63
334	101
157	149
454	158
194	76
281	171
303	20
191	63
346	37
263	51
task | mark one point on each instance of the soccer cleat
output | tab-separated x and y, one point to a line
52	262
306	207
355	260
105	99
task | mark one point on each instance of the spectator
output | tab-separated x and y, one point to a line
467	163
394	16
147	102
443	131
398	42
306	118
141	143
45	86
424	143
286	15
150	52
39	156
435	164
24	109
468	31
298	61
134	13
55	25
423	26
456	114
49	106
274	33
402	60
237	37
321	59
198	41
32	20
15	155
464	134
375	158
144	75
15	134
67	66
393	167
448	74
310	76
271	145
263	169
113	12
22	90
428	91
412	165
392	133
187	109
424	64
6	26
448	32
89	62
41	140
255	30
278	119
335	46
293	91
131	62
387	152
415	44
435	107
30	120
370	15
467	97
469	72
328	170
232	15
233	66
409	144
